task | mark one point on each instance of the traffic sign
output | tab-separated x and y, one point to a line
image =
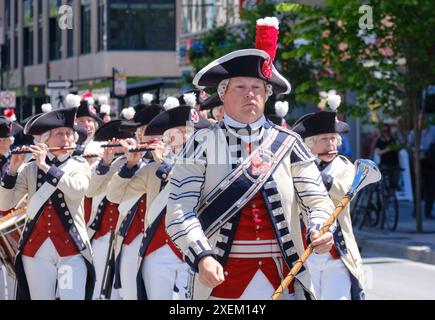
7	99
60	84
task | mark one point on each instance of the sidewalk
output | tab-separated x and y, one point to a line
403	243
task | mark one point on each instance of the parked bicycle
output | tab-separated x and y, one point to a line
377	205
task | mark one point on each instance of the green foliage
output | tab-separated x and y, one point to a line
385	66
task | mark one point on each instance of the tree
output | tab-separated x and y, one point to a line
382	51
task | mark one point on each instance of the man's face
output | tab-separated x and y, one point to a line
244	99
325	143
60	137
178	136
5	144
89	124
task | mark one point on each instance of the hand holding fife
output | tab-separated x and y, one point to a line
211	273
321	244
39	152
17	160
158	147
133	158
109	153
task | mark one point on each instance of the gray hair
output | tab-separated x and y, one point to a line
46	135
311	141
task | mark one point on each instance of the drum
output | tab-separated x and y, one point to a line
11	229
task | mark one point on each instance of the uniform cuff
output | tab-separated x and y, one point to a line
8	181
195	253
102	169
127	173
54	174
163	171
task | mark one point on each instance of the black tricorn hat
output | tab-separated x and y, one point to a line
111	130
211	102
58	118
241	63
141	118
87	110
322	122
176	117
5	128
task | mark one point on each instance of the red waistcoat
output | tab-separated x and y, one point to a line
50	226
254	225
161	238
137	225
109	220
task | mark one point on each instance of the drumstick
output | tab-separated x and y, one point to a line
49	149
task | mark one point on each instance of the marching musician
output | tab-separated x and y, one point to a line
238	186
104	214
162	272
6	140
338	274
88	120
54	251
130	227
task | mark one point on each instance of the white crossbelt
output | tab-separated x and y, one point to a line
255	249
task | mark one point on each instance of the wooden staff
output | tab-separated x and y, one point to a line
366	173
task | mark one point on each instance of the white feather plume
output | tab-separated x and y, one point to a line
334	101
105	108
128	113
147	98
190	99
268	21
102	100
281	108
323	94
73	101
46	107
170	103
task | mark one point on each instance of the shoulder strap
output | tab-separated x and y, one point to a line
241	185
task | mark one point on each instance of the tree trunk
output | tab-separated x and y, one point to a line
417	168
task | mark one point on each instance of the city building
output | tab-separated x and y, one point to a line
82	41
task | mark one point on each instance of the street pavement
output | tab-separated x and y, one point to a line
397	279
405	242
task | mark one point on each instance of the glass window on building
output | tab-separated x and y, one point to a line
40	43
8	13
28	33
55	33
6	53
16	51
85	19
102	26
69	37
16	12
28	46
199	15
150	25
40	8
